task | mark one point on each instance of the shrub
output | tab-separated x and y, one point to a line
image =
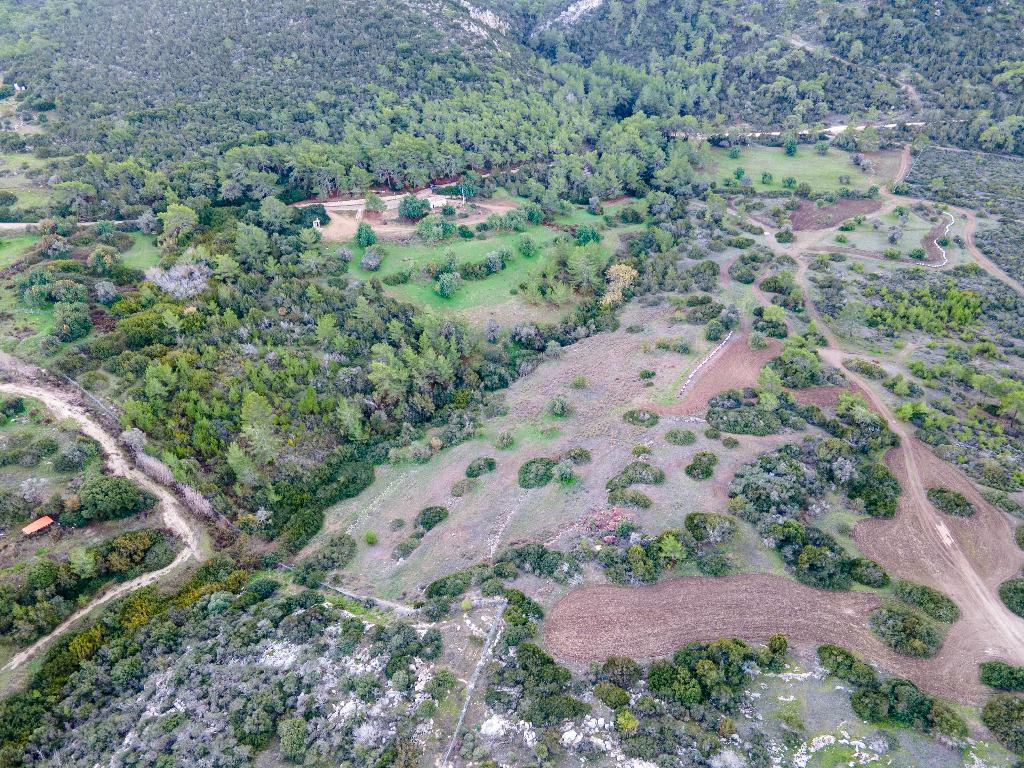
461	487
611	695
677	436
1005	677
578	382
536	473
1003	714
336	553
930	601
879	489
629	497
622	671
906	631
370	537
103	497
447	284
640	417
504	441
1012	593
703	465
636	472
560	406
481	466
847	666
868	572
372	259
1019	535
577	456
431	517
413	208
365	236
451	586
951	502
784	236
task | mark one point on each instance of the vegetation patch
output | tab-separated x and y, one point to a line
481	466
703	465
951	502
1012	594
536	473
892	700
1003	676
640	417
677	436
906	631
1003	714
929	601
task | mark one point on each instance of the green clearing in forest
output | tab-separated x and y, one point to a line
143	254
822	172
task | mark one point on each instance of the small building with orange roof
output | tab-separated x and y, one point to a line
37	525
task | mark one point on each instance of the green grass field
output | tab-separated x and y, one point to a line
13	246
473	293
821	172
867	238
143	254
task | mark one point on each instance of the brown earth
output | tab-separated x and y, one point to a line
593	623
823	397
735	366
809	216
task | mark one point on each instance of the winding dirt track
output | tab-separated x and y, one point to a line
63	406
965	558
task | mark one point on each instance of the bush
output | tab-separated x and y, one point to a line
868	572
560	406
504	441
536	473
481	466
951	502
677	436
906	631
847	666
1003	676
447	284
103	497
1012	593
930	601
431	517
629	497
636	472
703	465
578	382
577	456
1003	714
879	489
640	417
336	553
461	487
370	537
611	695
413	208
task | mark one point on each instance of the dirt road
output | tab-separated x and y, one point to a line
63	406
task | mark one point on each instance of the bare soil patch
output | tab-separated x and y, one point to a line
823	397
735	366
592	623
809	216
342	225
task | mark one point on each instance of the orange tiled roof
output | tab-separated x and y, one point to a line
37	525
